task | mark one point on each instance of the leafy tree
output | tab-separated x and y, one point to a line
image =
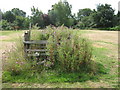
19	21
18	12
84	18
52	17
6	25
46	19
9	16
61	14
26	23
104	16
36	17
83	13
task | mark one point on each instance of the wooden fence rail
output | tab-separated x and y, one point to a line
39	51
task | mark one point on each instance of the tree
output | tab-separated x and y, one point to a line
61	14
46	19
19	22
15	19
9	16
18	12
104	16
37	17
83	13
84	18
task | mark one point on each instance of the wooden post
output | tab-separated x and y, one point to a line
29	29
26	38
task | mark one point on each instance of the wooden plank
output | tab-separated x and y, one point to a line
37	50
41	54
36	42
42	62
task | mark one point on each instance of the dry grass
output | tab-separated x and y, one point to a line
106	36
105	39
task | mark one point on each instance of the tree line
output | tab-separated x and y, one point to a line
103	17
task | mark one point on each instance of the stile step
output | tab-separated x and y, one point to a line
37	50
42	54
35	42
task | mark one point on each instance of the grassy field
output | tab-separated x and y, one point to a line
105	52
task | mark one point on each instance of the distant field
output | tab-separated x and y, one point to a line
105	52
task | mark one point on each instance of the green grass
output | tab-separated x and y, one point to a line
11	36
106	42
5	33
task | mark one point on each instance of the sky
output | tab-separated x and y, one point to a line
45	5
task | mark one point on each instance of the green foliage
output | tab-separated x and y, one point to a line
9	16
83	13
19	21
15	19
68	51
85	19
5	25
61	14
18	12
36	17
116	28
104	16
35	27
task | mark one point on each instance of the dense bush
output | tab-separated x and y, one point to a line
116	28
68	51
5	25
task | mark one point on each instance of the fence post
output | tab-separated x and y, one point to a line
26	38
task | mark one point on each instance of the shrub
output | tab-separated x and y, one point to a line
117	28
68	51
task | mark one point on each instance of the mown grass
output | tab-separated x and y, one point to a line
107	77
5	33
10	36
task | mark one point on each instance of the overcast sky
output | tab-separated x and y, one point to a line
45	5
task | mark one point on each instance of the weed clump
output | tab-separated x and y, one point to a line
67	51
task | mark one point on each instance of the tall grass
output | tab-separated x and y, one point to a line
15	61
